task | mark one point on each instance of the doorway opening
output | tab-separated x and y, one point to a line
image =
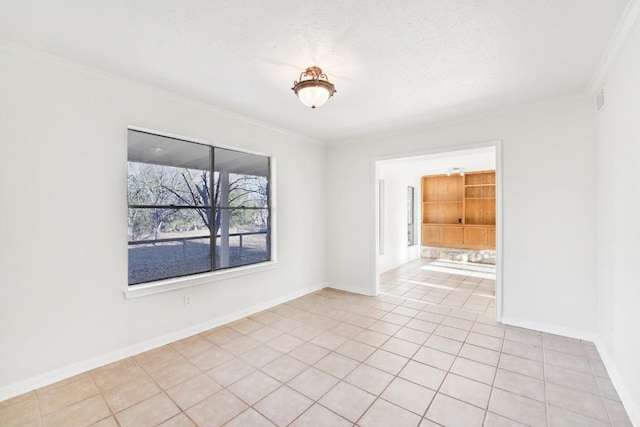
456	256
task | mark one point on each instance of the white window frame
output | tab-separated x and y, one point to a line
411	210
175	283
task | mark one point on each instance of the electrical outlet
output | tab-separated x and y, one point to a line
187	300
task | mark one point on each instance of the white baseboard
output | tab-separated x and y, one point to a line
627	397
348	289
633	410
42	380
550	329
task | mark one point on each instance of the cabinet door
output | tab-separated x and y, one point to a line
430	235
475	236
452	235
491	237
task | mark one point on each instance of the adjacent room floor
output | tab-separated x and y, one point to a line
426	352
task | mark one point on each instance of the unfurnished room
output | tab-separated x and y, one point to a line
362	213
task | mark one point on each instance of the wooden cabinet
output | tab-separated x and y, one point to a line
459	211
442	199
491	237
452	235
475	236
459	236
480	198
431	235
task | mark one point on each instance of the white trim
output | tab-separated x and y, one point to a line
499	232
195	140
168	285
18	48
381	218
444	150
427	124
375	208
628	24
24	386
175	283
550	329
348	289
626	395
273	213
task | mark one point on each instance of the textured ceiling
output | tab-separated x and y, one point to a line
395	64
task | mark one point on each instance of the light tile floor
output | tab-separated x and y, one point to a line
426	352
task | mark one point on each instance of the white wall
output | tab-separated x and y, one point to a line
401	173
548	209
618	127
63	134
396	250
63	222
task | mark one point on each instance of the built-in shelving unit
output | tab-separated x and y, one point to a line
459	211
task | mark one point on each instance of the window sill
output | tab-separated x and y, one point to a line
168	285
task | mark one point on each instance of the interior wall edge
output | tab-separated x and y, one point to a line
618	380
434	125
178	97
344	288
628	24
47	378
580	334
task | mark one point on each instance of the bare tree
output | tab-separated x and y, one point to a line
188	190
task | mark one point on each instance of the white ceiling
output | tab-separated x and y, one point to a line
470	160
394	63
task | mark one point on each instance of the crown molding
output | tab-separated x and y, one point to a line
627	27
428	124
9	46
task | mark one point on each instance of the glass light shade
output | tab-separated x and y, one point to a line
313	96
313	88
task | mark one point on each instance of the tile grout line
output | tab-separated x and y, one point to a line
311	312
493	384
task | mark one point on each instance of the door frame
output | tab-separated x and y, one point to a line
378	225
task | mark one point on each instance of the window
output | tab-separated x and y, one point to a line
177	225
410	216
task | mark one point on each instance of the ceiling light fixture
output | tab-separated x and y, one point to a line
455	170
314	87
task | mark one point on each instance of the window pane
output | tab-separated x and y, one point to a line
410	218
156	185
240	179
167	243
161	150
165	171
242	237
172	201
